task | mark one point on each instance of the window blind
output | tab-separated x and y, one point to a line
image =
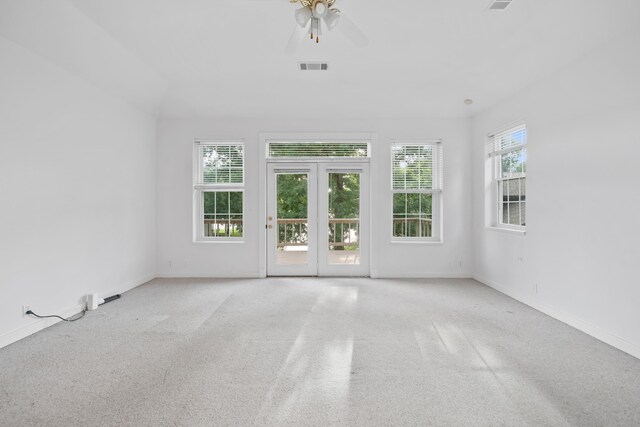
317	149
222	164
412	167
510	140
509	152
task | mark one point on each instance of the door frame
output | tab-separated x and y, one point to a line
267	137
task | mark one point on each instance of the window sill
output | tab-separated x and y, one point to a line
417	242
506	230
218	241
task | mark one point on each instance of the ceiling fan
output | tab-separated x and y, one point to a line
314	13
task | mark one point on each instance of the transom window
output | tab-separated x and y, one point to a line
416	187
508	150
316	149
219	191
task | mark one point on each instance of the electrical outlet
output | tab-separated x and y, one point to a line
25	308
456	265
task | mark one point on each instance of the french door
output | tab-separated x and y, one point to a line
317	219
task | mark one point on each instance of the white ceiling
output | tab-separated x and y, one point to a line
225	58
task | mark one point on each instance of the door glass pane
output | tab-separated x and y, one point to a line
292	194
344	218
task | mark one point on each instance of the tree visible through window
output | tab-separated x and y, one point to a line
415	185
509	151
220	188
317	149
344	211
222	213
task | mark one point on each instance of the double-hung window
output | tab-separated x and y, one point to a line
416	184
508	151
219	191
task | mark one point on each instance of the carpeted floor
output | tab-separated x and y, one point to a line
316	352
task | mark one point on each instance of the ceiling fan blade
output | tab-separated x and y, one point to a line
351	31
297	36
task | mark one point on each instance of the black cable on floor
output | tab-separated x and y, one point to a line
61	318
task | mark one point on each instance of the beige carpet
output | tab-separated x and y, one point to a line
316	352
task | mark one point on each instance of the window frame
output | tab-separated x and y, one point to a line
200	189
316	141
495	165
436	191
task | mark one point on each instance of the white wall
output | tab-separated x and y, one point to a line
77	192
91	201
581	250
178	256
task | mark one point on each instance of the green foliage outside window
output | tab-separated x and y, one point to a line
344	204
412	215
412	182
223	214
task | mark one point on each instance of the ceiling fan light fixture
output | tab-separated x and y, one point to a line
320	8
303	15
332	18
315	13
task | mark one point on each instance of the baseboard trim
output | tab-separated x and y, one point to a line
37	325
423	275
209	276
40	324
373	275
558	314
129	285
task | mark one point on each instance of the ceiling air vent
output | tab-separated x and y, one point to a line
314	66
499	4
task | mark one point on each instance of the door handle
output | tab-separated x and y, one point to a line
269	226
